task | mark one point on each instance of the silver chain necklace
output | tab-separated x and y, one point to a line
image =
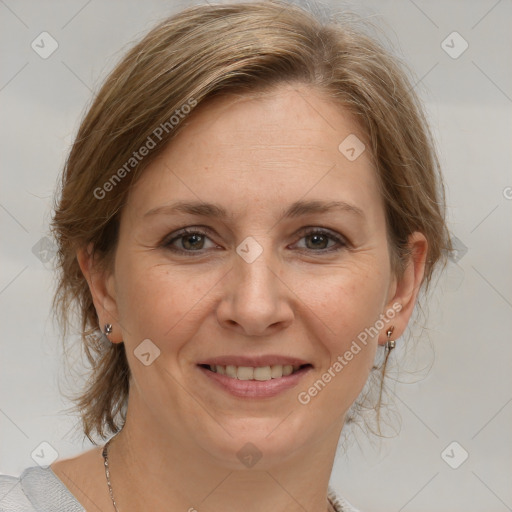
107	474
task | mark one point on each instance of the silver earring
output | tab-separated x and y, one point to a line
108	329
390	344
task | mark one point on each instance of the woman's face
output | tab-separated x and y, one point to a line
285	259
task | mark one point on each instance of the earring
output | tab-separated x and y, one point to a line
108	329
390	344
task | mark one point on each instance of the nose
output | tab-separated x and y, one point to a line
256	301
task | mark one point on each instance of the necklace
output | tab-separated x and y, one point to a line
107	473
332	507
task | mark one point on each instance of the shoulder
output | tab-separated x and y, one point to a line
36	489
12	497
340	504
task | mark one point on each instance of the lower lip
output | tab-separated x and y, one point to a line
256	388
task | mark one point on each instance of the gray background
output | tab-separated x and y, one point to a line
465	397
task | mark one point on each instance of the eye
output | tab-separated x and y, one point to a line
317	240
195	240
188	240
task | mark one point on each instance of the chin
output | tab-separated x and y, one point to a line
259	443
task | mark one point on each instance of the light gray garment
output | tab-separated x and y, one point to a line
37	489
40	490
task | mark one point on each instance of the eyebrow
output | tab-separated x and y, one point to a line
296	209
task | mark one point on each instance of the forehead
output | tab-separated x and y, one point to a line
270	148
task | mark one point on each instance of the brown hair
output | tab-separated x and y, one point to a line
202	52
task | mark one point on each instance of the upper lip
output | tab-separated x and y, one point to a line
254	361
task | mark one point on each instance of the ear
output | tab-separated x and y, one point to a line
101	285
404	289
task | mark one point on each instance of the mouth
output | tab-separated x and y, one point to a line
257	373
252	382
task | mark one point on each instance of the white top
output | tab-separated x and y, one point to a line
39	489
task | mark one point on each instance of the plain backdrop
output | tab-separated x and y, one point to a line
460	408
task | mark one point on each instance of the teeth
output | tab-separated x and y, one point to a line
245	373
287	369
276	372
261	373
231	371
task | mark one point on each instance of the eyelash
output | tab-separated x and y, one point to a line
311	231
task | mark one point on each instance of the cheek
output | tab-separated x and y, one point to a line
347	300
159	303
348	305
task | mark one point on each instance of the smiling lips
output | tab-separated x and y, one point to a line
259	368
255	377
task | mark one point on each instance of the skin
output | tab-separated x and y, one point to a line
254	156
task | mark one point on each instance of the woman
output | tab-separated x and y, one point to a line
249	212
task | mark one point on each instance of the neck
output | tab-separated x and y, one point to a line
152	470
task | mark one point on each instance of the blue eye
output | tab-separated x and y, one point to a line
188	241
